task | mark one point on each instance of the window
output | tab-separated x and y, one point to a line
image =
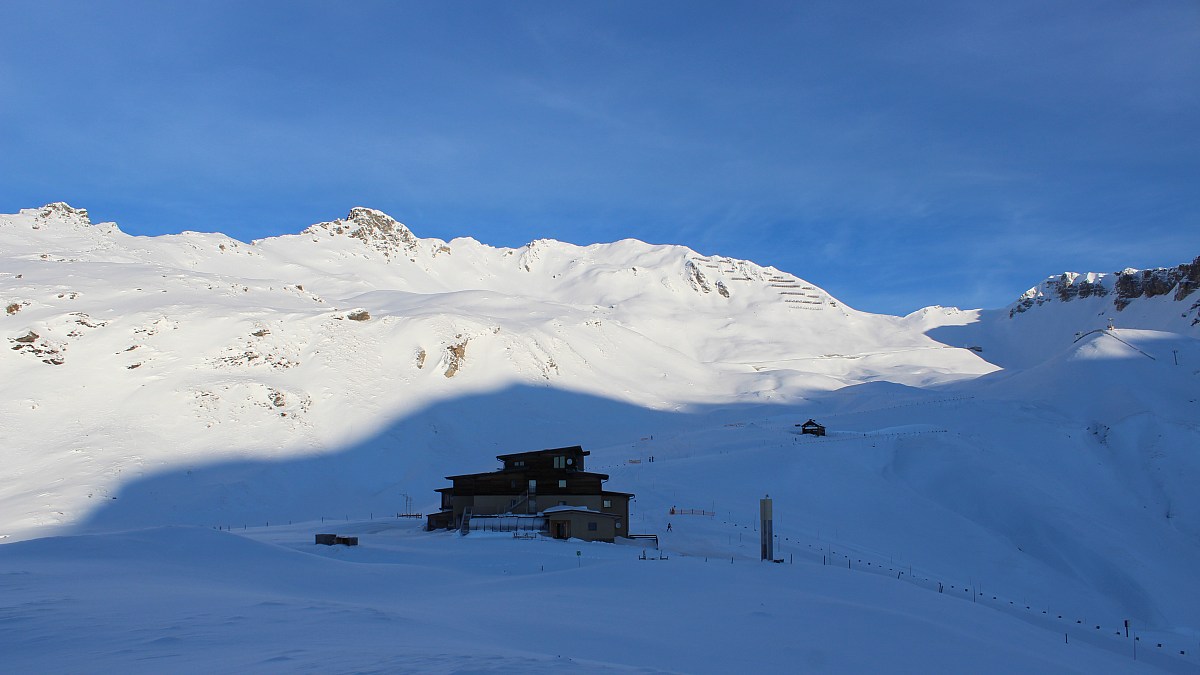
592	526
562	483
618	524
607	503
560	462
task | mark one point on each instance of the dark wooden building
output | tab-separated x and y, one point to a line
550	486
811	427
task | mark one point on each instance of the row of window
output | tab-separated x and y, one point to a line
559	462
562	483
607	503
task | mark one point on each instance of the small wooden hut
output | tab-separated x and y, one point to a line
811	427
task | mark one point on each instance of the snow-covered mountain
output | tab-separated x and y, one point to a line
200	346
197	380
1050	316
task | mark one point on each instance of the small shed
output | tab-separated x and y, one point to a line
577	522
811	427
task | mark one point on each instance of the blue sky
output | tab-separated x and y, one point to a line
896	154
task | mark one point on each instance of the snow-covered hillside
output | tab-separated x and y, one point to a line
1034	457
1050	316
131	355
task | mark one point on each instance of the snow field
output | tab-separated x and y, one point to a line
190	600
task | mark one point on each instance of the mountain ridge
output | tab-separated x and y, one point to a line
384	234
1124	286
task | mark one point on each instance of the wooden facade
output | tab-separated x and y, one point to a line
536	483
811	427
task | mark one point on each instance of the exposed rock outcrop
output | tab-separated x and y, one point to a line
456	353
374	228
1125	286
65	212
696	278
1183	279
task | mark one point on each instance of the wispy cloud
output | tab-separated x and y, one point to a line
889	152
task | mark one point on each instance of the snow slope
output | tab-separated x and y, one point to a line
1048	317
193	600
335	374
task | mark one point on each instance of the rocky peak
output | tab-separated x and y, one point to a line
61	211
374	228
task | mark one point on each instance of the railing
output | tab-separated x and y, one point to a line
691	512
522	500
508	523
645	537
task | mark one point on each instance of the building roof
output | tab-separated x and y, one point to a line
579	509
575	449
501	472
